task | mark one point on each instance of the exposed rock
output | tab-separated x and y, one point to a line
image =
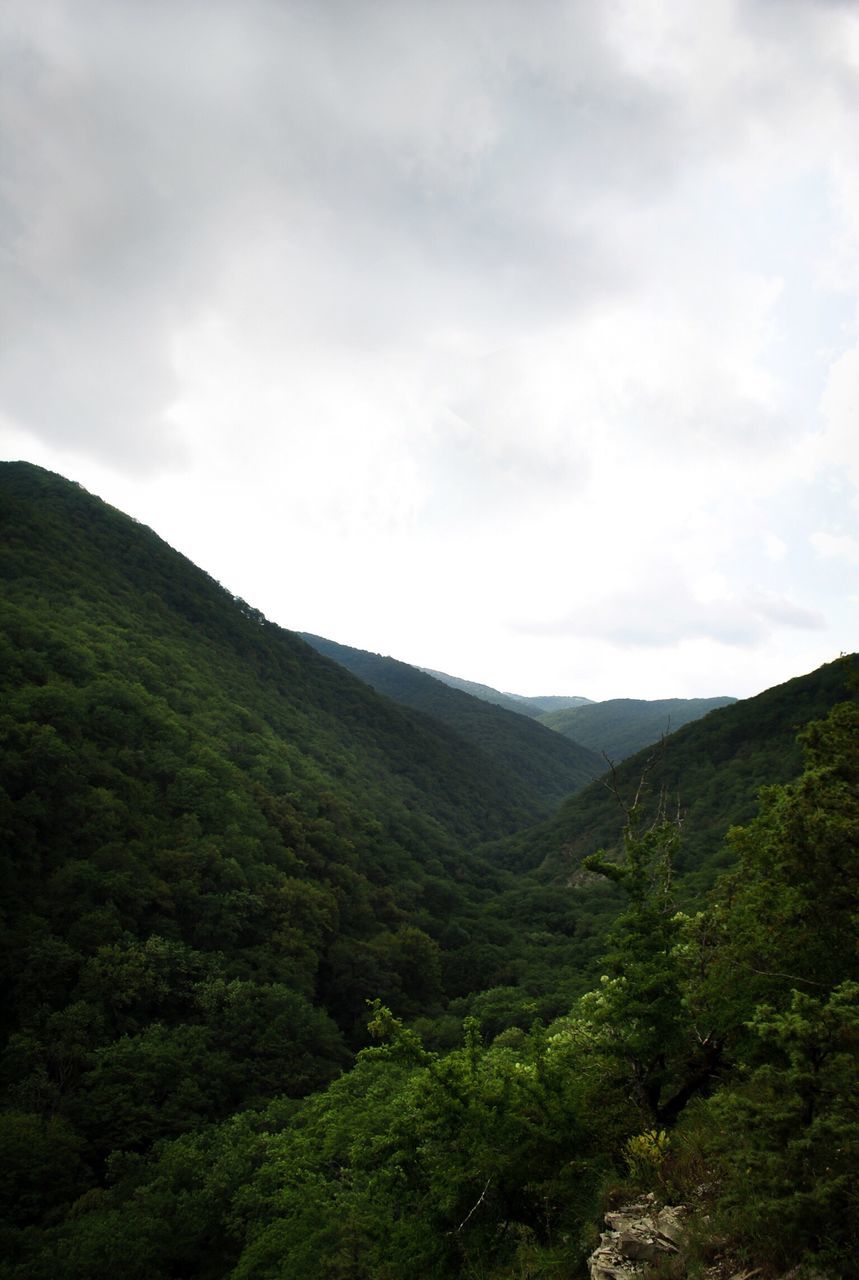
642	1246
670	1223
638	1233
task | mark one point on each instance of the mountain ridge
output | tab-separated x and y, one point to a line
711	769
618	727
516	742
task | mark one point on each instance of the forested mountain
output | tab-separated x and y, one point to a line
519	749
710	771
209	829
534	707
218	846
619	727
553	701
511	702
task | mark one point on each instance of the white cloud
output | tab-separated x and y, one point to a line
775	548
490	329
836	546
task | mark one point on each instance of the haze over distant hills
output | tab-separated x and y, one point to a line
534	707
619	727
710	771
512	741
615	728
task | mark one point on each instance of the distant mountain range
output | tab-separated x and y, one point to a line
534	707
551	766
609	731
619	727
711	771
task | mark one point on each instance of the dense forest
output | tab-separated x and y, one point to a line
525	706
619	727
295	987
553	766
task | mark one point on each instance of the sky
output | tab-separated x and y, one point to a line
519	341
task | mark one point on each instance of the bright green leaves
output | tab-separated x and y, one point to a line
785	1145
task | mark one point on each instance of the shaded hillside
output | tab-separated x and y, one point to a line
712	769
520	750
208	826
619	727
555	701
217	844
511	702
534	707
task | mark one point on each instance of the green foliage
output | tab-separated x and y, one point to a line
712	769
782	977
785	1145
538	768
645	1154
651	1045
217	846
620	727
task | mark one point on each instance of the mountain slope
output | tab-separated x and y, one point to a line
555	701
510	702
522	750
200	793
712	769
534	707
619	727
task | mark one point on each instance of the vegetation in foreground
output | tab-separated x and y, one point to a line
716	1061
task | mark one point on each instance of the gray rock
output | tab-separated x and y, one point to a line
669	1223
641	1247
639	1233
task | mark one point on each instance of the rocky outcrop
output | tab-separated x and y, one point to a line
638	1233
644	1234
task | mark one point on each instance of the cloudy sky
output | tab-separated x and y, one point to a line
515	340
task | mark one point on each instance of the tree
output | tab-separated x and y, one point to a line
640	1013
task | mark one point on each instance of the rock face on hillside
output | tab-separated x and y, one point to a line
638	1233
646	1239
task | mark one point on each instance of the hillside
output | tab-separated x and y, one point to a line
510	702
619	727
712	769
522	751
218	847
524	706
204	795
554	701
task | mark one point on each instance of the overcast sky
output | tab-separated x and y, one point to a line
515	340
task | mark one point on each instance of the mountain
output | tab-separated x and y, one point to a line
711	770
195	796
520	750
619	727
534	707
553	701
218	847
510	701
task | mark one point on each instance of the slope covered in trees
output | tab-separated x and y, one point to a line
520	750
216	844
512	701
619	727
716	1064
710	770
